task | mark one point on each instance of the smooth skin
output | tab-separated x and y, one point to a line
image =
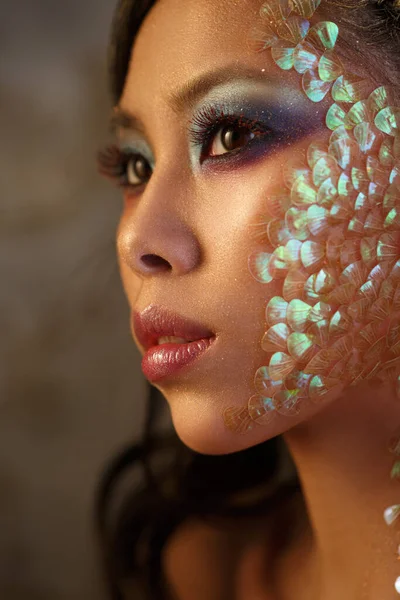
196	218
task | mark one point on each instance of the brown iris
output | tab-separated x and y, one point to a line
138	170
233	137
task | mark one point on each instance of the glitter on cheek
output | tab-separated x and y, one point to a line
331	237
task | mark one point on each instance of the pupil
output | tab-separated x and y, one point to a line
141	168
235	137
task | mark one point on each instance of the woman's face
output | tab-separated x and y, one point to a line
215	125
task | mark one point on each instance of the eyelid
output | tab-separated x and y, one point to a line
132	145
210	118
112	163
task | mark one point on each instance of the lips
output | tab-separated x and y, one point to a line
155	322
163	359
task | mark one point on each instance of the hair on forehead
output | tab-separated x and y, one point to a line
128	18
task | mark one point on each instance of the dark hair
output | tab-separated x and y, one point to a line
163	483
127	21
174	482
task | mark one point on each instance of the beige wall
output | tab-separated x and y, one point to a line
70	385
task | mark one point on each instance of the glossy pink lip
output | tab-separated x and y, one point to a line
162	360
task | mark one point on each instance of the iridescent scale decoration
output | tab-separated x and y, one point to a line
331	235
392	513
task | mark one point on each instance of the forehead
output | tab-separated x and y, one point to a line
180	40
193	24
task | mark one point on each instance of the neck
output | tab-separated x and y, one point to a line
344	466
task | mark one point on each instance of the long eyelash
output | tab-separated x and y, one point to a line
112	163
206	123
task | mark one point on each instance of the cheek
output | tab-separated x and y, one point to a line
130	281
330	245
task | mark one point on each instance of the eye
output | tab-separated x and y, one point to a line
219	133
138	170
229	138
126	169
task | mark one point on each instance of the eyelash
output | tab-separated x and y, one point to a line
210	120
113	162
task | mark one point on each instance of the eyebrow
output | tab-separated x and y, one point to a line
122	119
192	91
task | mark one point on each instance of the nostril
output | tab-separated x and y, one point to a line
155	262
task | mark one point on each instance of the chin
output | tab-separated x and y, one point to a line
199	423
201	427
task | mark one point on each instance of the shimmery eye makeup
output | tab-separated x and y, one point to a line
255	119
211	120
261	119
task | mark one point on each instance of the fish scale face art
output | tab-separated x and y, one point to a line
331	237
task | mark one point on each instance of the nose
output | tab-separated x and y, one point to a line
154	236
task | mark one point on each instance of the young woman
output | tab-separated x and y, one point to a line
258	149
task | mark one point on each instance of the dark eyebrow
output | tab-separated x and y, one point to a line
121	119
191	92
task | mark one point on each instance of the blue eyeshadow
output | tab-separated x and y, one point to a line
283	127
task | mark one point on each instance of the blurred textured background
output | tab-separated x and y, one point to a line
71	393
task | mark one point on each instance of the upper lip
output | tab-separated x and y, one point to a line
155	322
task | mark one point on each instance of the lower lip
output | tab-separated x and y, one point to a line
167	359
